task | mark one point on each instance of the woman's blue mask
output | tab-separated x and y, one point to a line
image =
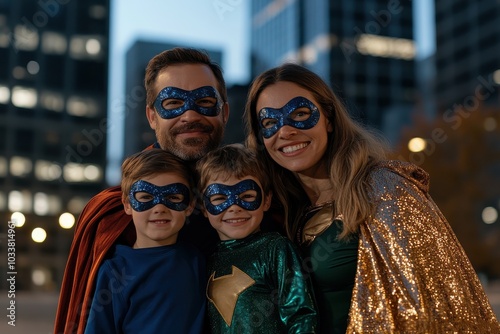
299	113
231	195
205	100
174	196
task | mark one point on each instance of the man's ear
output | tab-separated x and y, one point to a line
151	116
127	207
267	201
225	112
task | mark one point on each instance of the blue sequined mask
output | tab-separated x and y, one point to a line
231	195
299	113
205	100
174	196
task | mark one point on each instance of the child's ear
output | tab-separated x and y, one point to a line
203	210
189	210
127	207
267	201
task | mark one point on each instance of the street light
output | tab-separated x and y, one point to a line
66	220
18	219
417	144
489	215
38	235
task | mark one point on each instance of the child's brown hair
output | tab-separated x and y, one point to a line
231	160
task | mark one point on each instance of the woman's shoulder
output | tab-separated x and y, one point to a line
391	173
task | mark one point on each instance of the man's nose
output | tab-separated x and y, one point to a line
190	115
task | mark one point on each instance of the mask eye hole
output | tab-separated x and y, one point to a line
300	114
217	199
207	102
175	198
268	123
143	197
169	104
248	196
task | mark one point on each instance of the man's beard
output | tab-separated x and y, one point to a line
191	149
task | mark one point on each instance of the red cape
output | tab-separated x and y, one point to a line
101	224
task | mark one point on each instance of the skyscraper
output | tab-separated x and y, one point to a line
364	49
53	125
467	53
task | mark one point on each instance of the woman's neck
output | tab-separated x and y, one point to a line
319	189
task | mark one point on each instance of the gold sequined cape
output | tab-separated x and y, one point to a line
413	275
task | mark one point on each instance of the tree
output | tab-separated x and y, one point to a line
462	156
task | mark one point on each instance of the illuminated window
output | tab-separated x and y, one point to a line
33	67
44	204
86	47
3	167
81	106
41	204
26	38
19	73
52	101
20	166
4	94
47	171
97	12
20	201
4	34
387	47
76	204
74	172
3	202
54	43
23	97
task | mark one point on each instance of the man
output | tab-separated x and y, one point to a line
187	108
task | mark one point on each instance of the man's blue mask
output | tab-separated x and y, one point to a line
174	196
231	195
299	113
205	100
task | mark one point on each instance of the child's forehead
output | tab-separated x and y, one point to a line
164	178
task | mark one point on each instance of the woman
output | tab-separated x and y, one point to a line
382	257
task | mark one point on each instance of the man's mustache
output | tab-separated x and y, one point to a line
190	127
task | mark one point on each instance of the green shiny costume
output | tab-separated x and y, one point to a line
256	285
334	268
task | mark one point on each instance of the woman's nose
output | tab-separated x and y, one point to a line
286	131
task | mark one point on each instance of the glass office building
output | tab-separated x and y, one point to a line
467	53
364	49
53	104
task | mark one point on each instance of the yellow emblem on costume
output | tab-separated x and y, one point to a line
223	291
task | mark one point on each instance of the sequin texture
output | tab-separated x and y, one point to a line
232	195
283	116
190	101
413	275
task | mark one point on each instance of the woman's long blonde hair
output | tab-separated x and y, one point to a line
351	153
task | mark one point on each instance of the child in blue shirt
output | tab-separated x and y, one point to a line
158	285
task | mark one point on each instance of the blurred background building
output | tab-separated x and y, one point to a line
53	98
54	106
365	51
467	54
